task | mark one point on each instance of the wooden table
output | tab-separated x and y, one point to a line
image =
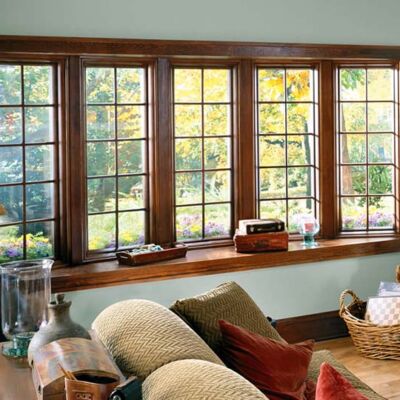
15	380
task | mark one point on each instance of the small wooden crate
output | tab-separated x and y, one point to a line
259	242
128	258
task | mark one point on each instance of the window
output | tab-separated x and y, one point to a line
116	157
28	161
203	152
287	129
366	147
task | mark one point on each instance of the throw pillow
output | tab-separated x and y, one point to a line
332	385
228	302
278	369
142	336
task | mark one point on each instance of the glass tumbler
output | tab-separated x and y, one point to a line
25	293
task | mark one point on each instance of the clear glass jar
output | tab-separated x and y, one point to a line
25	293
308	227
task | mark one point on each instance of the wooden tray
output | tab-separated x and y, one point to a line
128	258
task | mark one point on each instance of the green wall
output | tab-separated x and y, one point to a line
318	21
283	291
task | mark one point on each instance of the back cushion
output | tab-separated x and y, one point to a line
227	302
198	380
142	336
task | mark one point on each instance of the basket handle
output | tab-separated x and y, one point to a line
342	297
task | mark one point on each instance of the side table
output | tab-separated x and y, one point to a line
15	380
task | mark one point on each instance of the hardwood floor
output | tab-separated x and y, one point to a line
381	375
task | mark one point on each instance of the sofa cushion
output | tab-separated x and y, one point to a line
198	380
228	302
142	336
332	385
278	369
322	356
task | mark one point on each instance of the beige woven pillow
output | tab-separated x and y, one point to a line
198	380
142	336
228	302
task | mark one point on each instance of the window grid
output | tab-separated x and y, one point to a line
203	170
116	141
311	136
47	244
365	224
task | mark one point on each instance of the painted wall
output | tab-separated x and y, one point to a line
280	292
318	21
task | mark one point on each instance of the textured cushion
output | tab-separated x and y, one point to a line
326	356
198	380
332	385
142	336
228	302
278	369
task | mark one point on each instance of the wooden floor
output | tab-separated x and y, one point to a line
381	375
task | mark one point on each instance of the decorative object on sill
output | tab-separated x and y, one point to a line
258	242
151	253
25	292
87	360
308	227
371	340
60	326
253	226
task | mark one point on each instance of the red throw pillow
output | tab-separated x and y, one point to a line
332	385
278	369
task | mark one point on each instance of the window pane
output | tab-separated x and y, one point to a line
271	118
10	84
353	180
380	117
10	164
101	195
39	124
39	240
272	183
217	220
189	222
101	232
131	228
11	204
216	153
353	117
131	192
380	179
131	85
299	85
272	151
300	118
188	154
131	157
187	120
353	148
188	187
100	122
131	122
187	85
100	85
216	85
217	186
352	84
300	181
11	243
380	84
101	158
38	84
271	84
273	209
354	213
38	162
298	208
380	148
217	119
39	201
300	149
381	212
10	125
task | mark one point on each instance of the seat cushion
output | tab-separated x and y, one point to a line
198	380
227	302
322	356
142	336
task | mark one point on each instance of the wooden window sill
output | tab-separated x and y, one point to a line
214	261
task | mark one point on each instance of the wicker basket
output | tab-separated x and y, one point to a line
371	340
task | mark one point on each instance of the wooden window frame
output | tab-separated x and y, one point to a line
71	54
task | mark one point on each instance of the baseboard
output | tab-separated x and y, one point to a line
322	326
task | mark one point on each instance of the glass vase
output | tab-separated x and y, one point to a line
308	227
25	293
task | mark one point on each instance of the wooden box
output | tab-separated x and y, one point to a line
80	356
258	242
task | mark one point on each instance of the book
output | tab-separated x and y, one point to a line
253	226
389	289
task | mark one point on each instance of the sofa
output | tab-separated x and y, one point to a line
175	352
